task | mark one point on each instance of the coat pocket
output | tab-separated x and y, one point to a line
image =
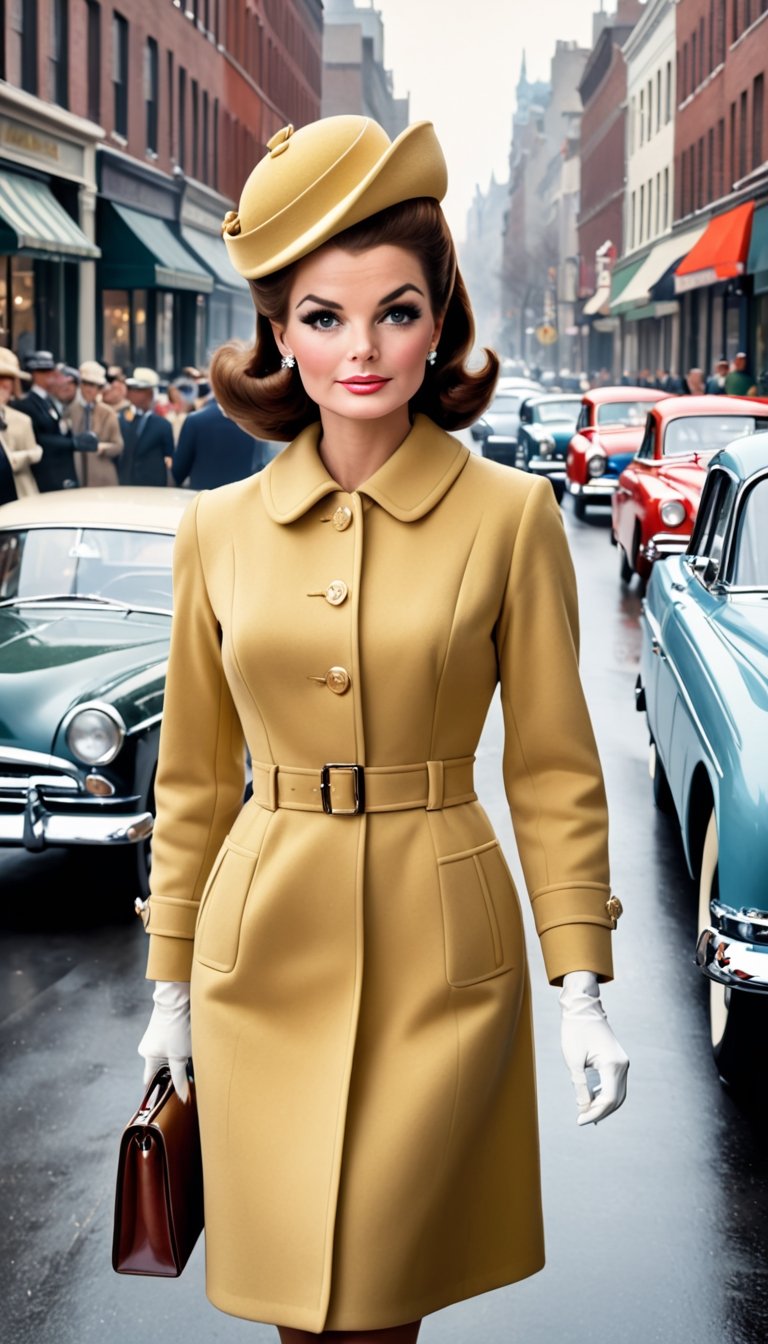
481	916
217	936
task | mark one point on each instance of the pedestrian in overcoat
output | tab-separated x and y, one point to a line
212	450
89	412
360	1005
55	470
17	437
147	437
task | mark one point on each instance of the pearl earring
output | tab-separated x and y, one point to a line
288	362
431	358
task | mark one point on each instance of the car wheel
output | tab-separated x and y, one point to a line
579	507
738	1020
662	795
626	572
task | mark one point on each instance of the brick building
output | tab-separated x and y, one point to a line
603	90
721	168
126	132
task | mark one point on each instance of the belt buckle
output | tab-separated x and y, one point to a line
358	776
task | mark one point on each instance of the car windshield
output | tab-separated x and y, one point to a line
558	413
704	433
113	564
751	566
505	403
626	413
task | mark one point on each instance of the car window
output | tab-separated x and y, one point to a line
629	413
705	433
132	567
712	524
583	420
646	447
505	403
750	567
558	412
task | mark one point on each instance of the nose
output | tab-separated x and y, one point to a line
362	344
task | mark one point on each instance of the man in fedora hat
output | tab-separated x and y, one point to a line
17	439
147	438
56	469
89	412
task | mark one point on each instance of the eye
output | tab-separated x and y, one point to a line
322	319
402	314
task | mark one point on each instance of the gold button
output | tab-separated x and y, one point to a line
614	909
336	592
342	518
337	679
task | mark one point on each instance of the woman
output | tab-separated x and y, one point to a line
17	438
360	1001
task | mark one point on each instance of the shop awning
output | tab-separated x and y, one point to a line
667	252
597	302
142	252
212	252
32	221
757	262
721	252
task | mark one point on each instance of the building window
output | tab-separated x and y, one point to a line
758	104
702	67
58	81
732	147
735	24
206	152
700	174
711	164
657	226
666	199
195	129
694	56
684	90
171	146
743	135
151	81
94	60
642	214
747	13
181	156
649	229
632	220
658	100
711	60
120	72
720	175
22	43
642	115
721	31
649	110
668	98
215	138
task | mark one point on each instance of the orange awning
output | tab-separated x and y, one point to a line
721	252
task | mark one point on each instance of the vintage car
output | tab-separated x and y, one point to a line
704	688
655	502
496	431
546	427
608	433
85	617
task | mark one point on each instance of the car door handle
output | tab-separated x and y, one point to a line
657	649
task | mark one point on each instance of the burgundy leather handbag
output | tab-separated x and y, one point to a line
159	1197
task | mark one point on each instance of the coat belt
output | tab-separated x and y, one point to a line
348	789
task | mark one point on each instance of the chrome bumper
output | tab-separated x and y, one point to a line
44	802
544	466
600	485
662	545
736	962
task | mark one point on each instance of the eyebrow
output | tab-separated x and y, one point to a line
388	298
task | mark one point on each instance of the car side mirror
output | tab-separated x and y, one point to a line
479	431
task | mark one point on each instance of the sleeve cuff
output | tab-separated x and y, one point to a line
170	958
575	926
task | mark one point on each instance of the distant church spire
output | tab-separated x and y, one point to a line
523	70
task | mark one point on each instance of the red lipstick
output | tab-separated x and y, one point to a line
364	385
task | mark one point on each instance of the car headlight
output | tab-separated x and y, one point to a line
546	446
596	465
95	735
672	512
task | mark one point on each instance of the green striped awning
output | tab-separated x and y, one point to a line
141	251
32	221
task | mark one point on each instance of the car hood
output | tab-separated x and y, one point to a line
742	624
619	441
683	478
562	434
51	659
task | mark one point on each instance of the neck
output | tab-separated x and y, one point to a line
353	450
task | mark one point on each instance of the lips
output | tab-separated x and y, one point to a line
364	386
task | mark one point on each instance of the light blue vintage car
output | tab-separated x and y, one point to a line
704	688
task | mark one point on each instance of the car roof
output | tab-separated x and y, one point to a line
744	456
539	398
144	507
674	407
599	395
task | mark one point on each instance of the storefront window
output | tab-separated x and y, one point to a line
164	332
200	330
117	327
761	344
22	306
732	328
140	350
5	322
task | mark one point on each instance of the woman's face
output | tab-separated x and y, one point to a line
360	327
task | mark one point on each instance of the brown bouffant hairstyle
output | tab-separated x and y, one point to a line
266	400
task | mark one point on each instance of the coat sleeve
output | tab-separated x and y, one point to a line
201	766
21	445
184	452
552	772
110	438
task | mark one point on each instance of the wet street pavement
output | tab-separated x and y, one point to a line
655	1220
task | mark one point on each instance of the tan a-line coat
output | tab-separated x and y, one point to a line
360	1002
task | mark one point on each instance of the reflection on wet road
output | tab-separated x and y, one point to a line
655	1220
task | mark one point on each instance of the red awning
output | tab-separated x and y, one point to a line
721	252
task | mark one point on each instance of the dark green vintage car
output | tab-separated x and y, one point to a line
85	617
546	428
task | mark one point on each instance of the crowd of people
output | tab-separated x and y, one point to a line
731	378
63	427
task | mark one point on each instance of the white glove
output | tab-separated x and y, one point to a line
167	1039
588	1043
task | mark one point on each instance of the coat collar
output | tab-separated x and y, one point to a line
410	483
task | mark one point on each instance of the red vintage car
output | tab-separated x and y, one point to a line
655	504
608	433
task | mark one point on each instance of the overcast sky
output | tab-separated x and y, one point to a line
459	60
